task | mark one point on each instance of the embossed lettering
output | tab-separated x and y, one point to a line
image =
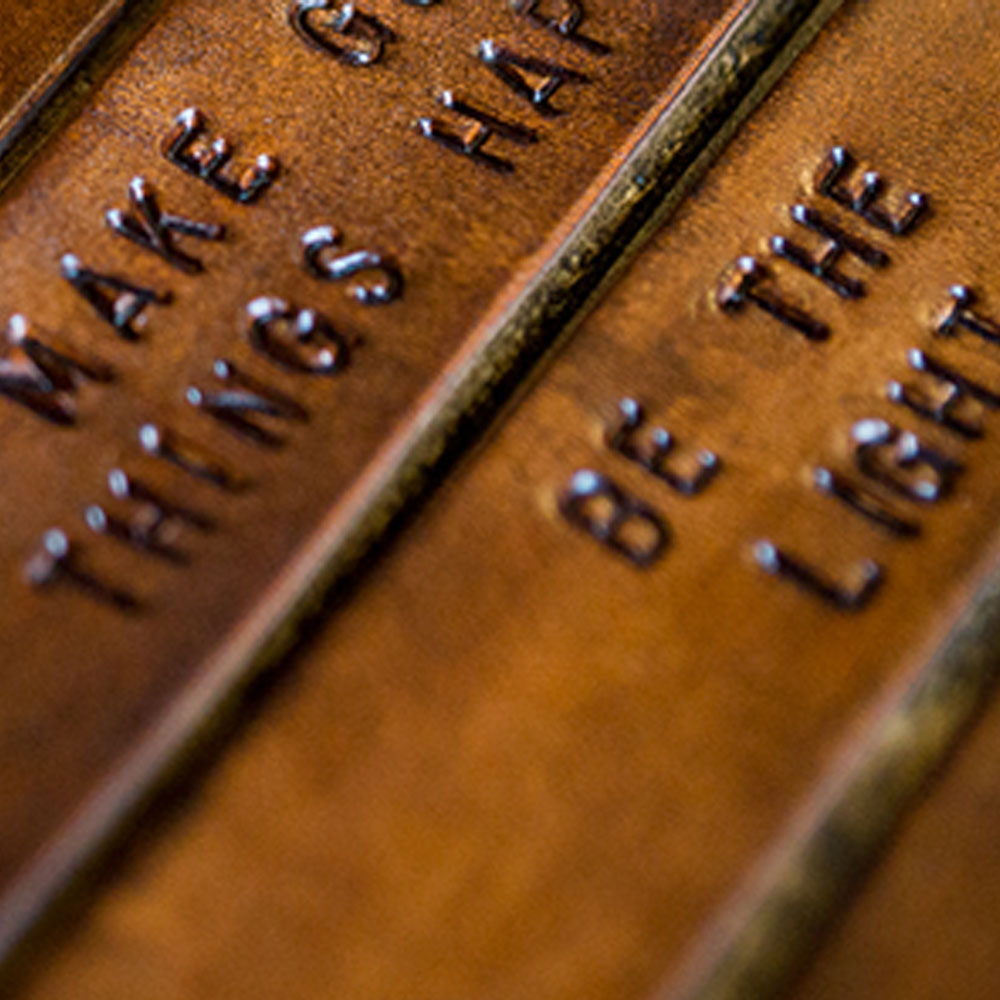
652	454
325	24
483	125
154	230
153	526
511	67
57	562
822	264
186	147
162	442
115	300
852	596
44	378
864	502
961	315
241	399
327	266
900	460
622	522
953	400
566	23
748	281
299	340
861	196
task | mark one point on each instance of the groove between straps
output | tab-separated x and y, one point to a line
730	73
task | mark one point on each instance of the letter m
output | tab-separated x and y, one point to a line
44	378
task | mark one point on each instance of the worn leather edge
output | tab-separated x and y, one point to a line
61	91
729	74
